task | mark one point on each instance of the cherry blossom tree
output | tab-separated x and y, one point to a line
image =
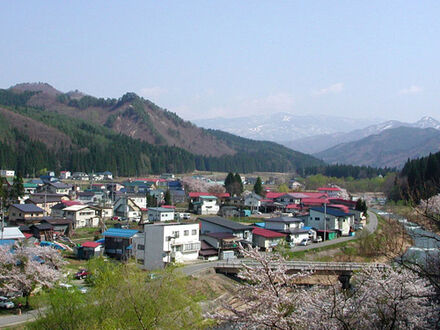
381	297
23	268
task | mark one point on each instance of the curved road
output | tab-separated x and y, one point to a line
371	226
10	320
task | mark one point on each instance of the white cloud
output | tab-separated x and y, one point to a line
332	89
152	92
413	89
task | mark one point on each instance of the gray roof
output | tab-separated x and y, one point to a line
284	220
225	223
28	208
161	209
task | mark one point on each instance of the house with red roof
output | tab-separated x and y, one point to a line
266	239
330	191
89	249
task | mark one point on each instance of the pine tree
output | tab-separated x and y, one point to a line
167	197
258	187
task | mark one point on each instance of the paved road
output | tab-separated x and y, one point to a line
371	227
11	320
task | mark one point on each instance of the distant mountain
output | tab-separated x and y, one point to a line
315	144
41	127
284	126
391	147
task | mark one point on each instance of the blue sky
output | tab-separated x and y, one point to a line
205	59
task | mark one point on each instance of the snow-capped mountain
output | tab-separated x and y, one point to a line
284	126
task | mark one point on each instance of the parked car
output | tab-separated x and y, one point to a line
6	303
66	286
81	274
318	239
115	218
304	242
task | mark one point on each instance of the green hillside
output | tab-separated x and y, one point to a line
37	136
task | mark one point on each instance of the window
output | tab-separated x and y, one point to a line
176	234
177	248
141	247
194	232
317	218
186	233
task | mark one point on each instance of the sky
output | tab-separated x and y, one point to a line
205	59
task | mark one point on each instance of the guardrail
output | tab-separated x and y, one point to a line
301	265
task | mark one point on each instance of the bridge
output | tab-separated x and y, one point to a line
344	270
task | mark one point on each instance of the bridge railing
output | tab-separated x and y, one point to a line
303	265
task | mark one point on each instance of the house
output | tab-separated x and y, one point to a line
330	191
80	176
82	215
42	231
206	205
7	173
61	226
13	233
21	213
265	239
222	225
57	211
229	211
89	249
59	188
104	212
107	175
46	201
118	242
292	227
164	243
65	175
167	176
90	197
127	207
226	244
328	218
160	214
177	196
253	201
29	188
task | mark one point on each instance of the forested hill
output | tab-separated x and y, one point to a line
419	179
41	127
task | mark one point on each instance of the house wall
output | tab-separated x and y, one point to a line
208	227
267	243
155	215
83	218
316	220
297	238
159	250
208	206
277	226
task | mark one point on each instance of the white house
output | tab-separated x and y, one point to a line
206	205
283	224
7	173
160	214
65	175
82	216
335	219
253	200
130	206
162	243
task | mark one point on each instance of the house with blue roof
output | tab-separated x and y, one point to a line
328	218
118	242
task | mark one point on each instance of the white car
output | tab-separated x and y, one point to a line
6	303
304	242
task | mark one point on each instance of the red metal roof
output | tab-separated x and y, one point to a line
273	195
195	194
293	206
267	233
90	244
343	208
27	235
314	201
70	203
168	206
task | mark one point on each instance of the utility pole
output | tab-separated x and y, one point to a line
3	218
